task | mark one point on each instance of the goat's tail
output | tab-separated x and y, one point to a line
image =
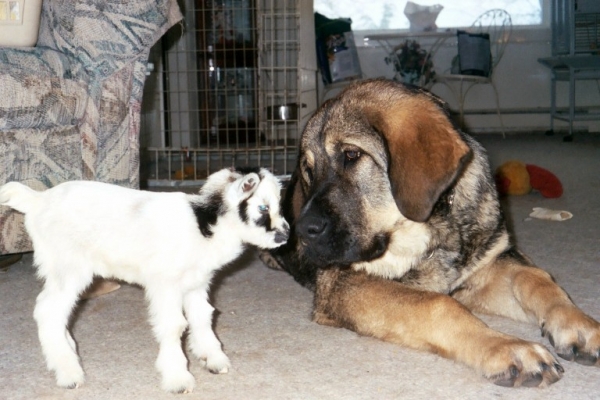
18	196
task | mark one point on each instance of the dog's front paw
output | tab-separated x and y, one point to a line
269	260
574	335
514	362
183	382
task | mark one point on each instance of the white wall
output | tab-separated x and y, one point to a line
522	83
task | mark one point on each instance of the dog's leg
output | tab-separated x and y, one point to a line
53	308
269	260
429	321
168	323
514	288
203	342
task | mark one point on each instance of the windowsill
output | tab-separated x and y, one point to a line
520	35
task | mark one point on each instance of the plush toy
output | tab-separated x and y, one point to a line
517	178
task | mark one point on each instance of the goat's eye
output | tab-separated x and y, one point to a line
263	208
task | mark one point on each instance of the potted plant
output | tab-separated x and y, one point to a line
411	64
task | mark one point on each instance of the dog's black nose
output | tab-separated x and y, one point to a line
312	227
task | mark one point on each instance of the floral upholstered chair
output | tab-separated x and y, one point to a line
70	107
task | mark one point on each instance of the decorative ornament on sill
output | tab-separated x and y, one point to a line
422	18
411	64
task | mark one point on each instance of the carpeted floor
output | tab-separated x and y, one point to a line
278	353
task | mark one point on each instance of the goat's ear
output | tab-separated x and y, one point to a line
247	185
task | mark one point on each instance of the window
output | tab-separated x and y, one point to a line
389	14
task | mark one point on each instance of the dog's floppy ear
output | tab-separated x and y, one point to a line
426	153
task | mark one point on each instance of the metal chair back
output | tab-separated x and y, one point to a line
498	24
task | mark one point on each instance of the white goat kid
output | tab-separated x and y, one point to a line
169	243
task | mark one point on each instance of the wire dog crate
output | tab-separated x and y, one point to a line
235	86
575	27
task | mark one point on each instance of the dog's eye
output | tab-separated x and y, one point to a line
263	209
352	155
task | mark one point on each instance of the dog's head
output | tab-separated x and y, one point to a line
378	154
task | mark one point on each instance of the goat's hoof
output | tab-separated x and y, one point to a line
179	384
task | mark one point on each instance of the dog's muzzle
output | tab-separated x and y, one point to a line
325	243
313	228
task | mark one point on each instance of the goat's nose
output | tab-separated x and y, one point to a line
282	235
312	227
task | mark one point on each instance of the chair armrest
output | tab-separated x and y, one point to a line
105	36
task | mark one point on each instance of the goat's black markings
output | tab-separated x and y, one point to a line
243	211
248	170
264	221
208	212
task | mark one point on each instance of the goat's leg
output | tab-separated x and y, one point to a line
168	323
202	340
53	308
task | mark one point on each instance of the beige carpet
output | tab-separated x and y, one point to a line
278	353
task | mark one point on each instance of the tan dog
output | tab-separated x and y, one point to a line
398	229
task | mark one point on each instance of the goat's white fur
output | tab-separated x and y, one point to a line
81	229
